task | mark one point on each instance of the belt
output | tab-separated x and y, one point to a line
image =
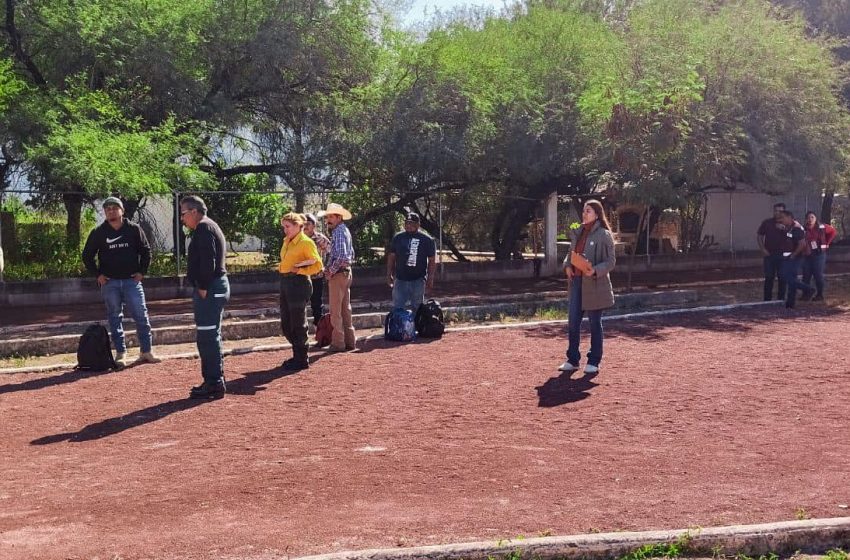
290	274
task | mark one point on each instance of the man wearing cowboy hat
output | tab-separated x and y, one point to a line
338	276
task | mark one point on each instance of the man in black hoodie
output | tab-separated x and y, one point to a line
118	254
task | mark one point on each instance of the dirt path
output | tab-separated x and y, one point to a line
699	419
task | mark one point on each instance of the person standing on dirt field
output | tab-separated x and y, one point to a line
819	237
793	252
118	253
323	244
338	275
411	264
771	237
299	259
589	276
208	275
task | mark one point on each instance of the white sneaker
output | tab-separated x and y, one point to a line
591	369
567	367
121	359
147	358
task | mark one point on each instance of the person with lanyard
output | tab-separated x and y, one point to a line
793	251
299	260
338	276
818	237
323	244
588	266
771	236
208	275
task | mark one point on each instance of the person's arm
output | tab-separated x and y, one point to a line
829	234
609	259
144	255
204	238
89	253
760	235
390	268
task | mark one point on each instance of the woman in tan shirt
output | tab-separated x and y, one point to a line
299	259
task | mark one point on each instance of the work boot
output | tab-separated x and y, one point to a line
208	390
147	358
121	359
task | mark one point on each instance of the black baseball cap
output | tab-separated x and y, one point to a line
412	217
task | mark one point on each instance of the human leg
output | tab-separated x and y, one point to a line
401	293
316	298
208	312
134	296
819	273
298	291
336	287
594	356
769	273
349	336
111	292
574	322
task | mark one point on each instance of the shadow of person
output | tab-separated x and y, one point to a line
564	390
250	384
34	384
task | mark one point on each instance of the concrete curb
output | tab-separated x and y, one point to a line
261	323
810	536
274	347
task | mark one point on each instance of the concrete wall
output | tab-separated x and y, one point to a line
733	218
84	290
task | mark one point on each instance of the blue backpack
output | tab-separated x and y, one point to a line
399	326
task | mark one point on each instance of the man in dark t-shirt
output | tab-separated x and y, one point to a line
771	236
410	264
793	248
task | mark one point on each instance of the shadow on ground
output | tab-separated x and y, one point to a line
250	384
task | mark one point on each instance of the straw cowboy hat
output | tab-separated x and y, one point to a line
334	208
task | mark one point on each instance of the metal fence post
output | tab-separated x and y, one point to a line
440	207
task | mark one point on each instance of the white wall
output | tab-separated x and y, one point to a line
746	212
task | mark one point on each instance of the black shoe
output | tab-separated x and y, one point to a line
295	365
208	391
818	297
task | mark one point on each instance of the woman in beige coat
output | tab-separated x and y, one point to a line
590	290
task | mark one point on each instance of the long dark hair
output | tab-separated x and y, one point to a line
806	220
600	213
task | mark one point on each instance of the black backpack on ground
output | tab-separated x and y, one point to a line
429	320
94	352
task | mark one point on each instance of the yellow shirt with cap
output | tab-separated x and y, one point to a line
296	250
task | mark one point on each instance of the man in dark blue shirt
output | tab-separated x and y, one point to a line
793	249
411	264
207	273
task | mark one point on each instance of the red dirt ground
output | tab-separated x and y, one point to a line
695	420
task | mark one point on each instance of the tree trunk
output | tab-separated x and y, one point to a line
73	207
826	207
434	228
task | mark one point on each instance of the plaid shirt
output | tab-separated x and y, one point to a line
341	254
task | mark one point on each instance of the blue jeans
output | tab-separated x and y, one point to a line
791	273
118	293
773	269
594	356
408	290
208	312
814	266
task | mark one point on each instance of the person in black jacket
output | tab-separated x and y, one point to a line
208	275
118	254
